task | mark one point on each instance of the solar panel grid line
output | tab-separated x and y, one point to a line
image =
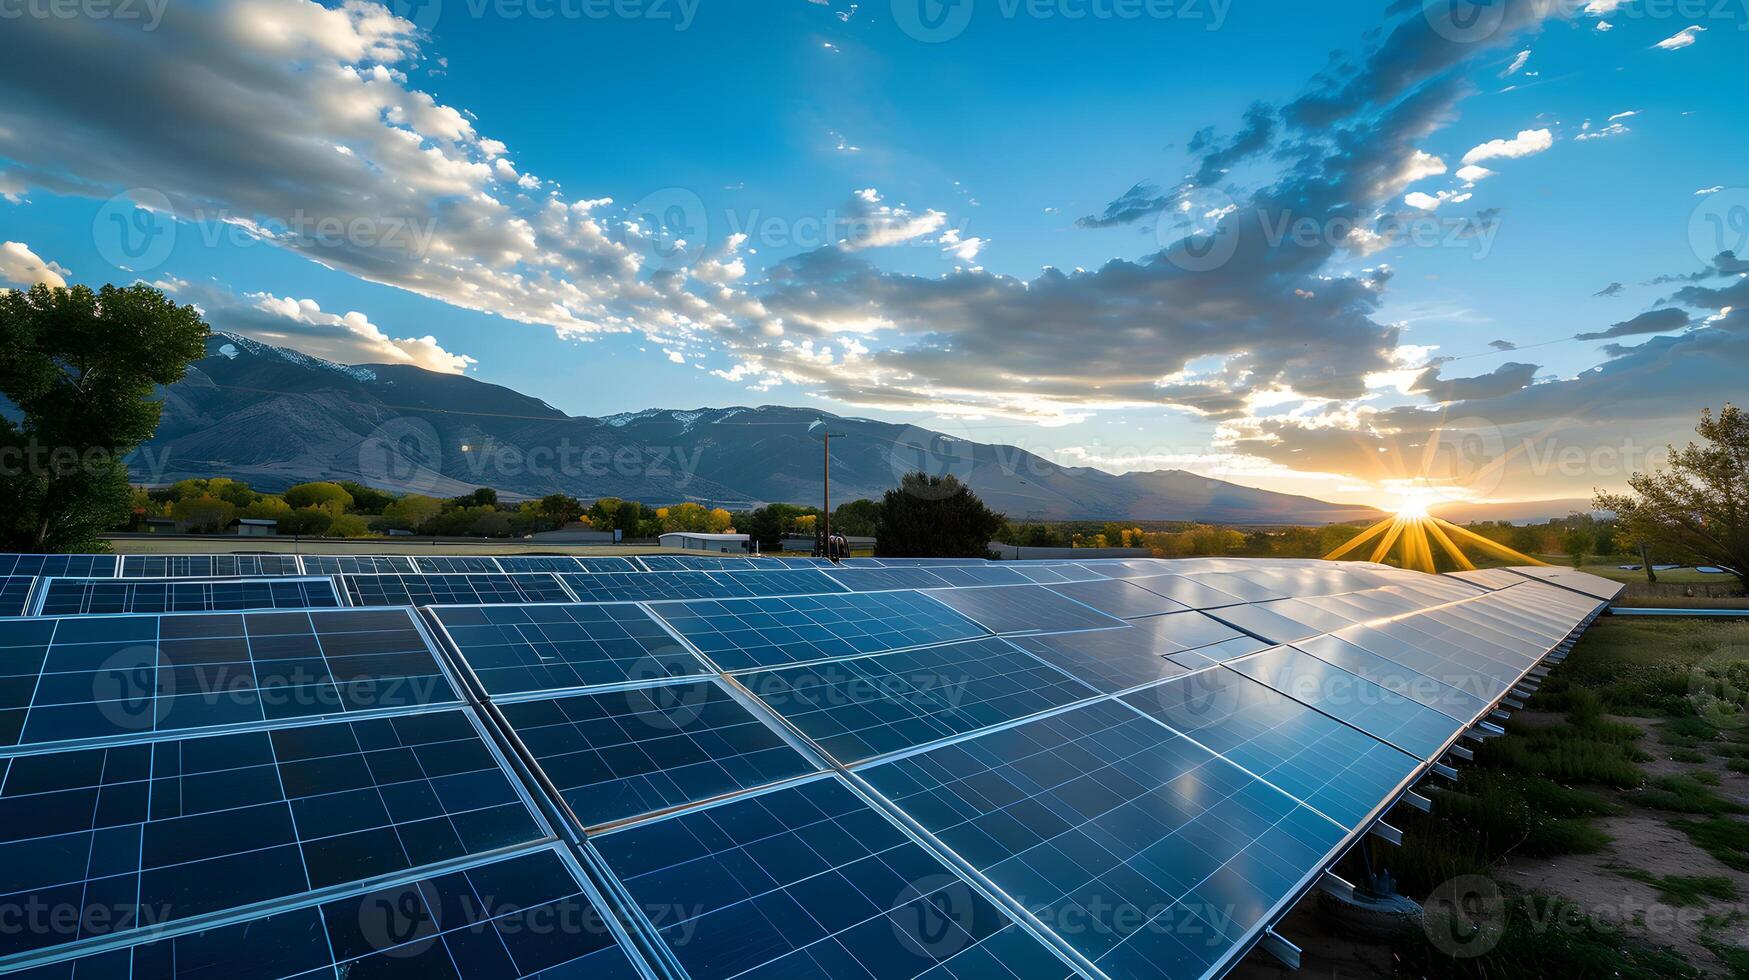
217	778
84	596
99	945
911	940
956	774
137	712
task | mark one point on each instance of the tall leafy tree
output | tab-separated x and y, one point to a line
934	517
80	366
1697	508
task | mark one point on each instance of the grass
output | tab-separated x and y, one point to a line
1546	936
1683	794
1683	890
1720	836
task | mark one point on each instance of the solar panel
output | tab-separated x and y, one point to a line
66	679
886	579
358	565
1159	854
513	649
1386	716
459	589
1488	578
15	594
610	564
154	833
84	566
1145	651
538	563
625	753
648	586
1339	771
1047	574
738	634
1595	586
94	596
456	564
961	576
867	706
810	881
696	563
206	566
1118	597
1025	609
1187	591
780	582
520	916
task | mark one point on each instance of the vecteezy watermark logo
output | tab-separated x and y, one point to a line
402	454
932	21
675	706
1720	223
423	14
932	454
127	686
1465	917
672	226
397	921
133	230
1213	234
1465	21
147	13
933	916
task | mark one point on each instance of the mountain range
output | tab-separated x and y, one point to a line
274	417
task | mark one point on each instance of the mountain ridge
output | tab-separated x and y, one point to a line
275	416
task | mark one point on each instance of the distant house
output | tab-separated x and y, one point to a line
699	541
254	527
161	525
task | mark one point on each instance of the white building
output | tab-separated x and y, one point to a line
731	544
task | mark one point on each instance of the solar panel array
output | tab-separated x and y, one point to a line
678	766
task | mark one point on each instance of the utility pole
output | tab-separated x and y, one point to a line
819	430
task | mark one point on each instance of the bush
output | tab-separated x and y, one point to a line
310	521
328	496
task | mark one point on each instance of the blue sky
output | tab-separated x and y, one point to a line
471	185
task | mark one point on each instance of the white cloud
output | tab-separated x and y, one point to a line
1624	115
1709	190
1527	143
19	265
1471	173
1613	129
1429	202
964	248
1603	8
1517	64
1681	39
1605	26
870	223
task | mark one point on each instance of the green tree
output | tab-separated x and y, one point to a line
934	517
856	518
80	367
205	514
1577	544
483	497
559	510
309	521
412	512
331	497
348	526
1697	508
366	500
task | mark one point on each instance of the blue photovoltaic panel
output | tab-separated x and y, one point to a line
1147	650
358	565
15	593
1395	677
462	564
780	582
538	563
610	564
810	881
183	827
960	576
1162	855
803	562
625	753
923	562
1055	572
83	566
432	590
858	579
741	633
1408	725
537	920
1025	609
513	649
1119	597
1339	771
206	566
650	586
73	678
697	563
1187	591
867	706
103	596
